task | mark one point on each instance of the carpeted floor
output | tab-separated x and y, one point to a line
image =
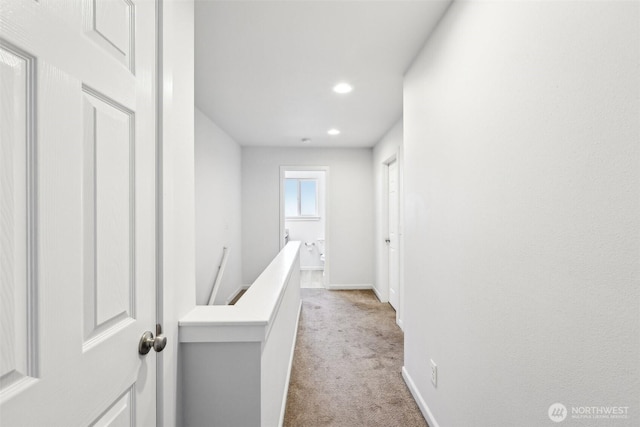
347	364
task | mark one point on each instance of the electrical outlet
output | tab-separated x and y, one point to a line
434	373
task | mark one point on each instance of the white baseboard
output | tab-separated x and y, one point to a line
318	268
350	287
286	387
426	412
235	294
375	291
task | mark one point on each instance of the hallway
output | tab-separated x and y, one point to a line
347	364
481	168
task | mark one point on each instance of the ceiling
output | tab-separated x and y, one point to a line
265	69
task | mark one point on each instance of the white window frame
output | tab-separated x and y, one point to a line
300	217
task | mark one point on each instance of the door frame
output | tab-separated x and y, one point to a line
159	95
397	157
327	209
175	251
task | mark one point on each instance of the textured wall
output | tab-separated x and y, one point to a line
521	126
218	179
349	226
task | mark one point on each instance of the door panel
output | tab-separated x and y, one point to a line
109	242
120	414
17	340
394	270
111	25
77	212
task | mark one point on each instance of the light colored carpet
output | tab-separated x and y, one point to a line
347	364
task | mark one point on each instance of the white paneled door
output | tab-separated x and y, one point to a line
394	259
77	212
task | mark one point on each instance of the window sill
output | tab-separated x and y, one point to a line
303	218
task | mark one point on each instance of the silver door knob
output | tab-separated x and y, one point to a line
147	341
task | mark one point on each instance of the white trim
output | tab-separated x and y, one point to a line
286	387
378	295
312	268
347	287
161	401
400	159
299	200
426	412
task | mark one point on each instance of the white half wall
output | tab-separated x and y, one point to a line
522	216
237	359
349	201
218	177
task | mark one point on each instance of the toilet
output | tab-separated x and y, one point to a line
321	248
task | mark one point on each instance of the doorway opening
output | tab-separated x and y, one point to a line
393	216
304	218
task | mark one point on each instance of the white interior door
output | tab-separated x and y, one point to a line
77	209
394	260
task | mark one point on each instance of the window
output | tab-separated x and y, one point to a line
300	198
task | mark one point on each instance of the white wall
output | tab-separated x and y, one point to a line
522	216
349	201
309	230
218	180
178	241
388	147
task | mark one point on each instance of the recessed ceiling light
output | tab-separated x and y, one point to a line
342	88
305	140
333	132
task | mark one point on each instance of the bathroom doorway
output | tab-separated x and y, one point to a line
304	218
